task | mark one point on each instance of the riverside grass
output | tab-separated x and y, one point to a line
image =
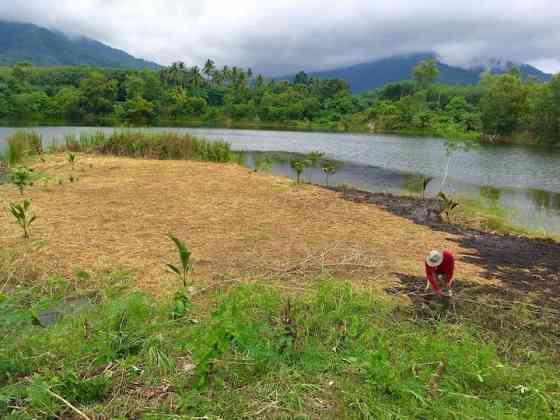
22	145
254	351
150	145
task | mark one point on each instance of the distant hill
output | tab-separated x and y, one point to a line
369	76
44	47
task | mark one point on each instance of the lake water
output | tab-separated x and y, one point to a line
523	180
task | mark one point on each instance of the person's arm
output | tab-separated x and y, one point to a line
450	268
430	275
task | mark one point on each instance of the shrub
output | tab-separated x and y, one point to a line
21	177
298	166
24	216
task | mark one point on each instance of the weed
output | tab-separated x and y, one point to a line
448	204
181	305
24	216
184	258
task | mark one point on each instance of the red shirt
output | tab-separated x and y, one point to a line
446	268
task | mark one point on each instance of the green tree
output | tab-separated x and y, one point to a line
547	111
503	104
425	73
66	104
98	94
134	86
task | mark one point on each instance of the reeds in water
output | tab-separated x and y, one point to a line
21	145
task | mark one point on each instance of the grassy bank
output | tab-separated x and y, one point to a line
23	145
149	145
333	352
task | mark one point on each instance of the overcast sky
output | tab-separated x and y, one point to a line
280	36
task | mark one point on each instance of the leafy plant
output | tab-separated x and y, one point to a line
24	216
448	204
181	305
21	177
184	258
72	159
298	166
329	169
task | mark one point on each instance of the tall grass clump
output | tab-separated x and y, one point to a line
21	145
155	145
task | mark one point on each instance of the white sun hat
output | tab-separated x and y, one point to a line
434	258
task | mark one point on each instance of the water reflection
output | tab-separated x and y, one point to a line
490	194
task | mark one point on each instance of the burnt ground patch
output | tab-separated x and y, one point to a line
523	266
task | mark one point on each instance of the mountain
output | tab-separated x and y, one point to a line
44	47
369	76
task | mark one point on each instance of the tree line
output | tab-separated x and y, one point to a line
500	108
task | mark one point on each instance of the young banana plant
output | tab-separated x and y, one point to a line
24	216
184	258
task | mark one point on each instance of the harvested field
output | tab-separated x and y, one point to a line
238	224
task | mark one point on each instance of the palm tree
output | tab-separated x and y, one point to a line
195	79
227	74
181	74
208	69
217	78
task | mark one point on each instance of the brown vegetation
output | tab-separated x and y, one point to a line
238	223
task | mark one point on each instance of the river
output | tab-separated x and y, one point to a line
523	180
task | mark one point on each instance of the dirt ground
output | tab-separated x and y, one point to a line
240	224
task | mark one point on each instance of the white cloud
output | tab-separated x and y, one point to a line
281	36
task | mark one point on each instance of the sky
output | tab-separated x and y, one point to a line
276	37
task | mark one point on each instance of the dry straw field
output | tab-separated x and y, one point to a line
239	225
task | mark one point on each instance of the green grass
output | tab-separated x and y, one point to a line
148	144
487	215
333	353
22	145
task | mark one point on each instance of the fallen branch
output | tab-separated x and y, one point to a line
68	404
436	378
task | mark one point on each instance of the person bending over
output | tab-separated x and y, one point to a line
439	272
